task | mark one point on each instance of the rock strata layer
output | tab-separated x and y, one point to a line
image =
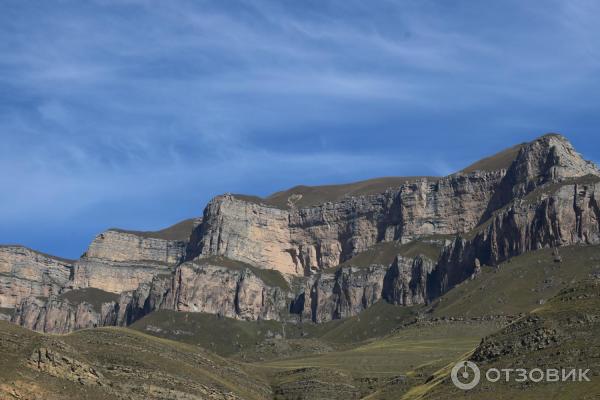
24	273
547	196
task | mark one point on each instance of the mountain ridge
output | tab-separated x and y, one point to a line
311	249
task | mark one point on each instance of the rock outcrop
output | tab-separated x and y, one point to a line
239	294
350	290
549	159
24	273
59	365
122	247
406	280
562	214
547	196
55	315
119	261
116	277
342	294
304	241
213	289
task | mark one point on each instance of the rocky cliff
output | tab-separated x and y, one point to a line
192	287
534	195
24	273
549	159
303	241
118	261
406	280
559	214
342	294
122	246
237	293
55	315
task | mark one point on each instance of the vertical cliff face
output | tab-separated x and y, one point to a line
121	246
350	290
302	241
248	232
549	159
24	272
206	288
114	277
56	315
219	290
560	214
545	195
119	261
345	293
406	280
239	294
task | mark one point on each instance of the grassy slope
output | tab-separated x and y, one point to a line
572	320
388	366
227	336
519	285
501	160
95	297
400	352
224	336
132	365
385	252
180	231
306	196
269	276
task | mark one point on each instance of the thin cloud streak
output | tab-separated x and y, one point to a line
109	103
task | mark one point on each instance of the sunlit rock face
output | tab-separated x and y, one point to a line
303	241
122	247
24	273
545	195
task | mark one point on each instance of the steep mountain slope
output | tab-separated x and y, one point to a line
252	259
384	352
116	363
301	240
561	334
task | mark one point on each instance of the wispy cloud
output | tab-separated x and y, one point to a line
109	103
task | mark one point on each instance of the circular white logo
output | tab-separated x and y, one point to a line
465	375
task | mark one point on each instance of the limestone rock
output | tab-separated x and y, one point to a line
560	215
206	288
24	273
345	293
59	365
119	261
302	241
56	315
549	159
116	277
118	246
406	280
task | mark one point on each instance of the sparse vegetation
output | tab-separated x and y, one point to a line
306	196
269	276
180	231
95	297
501	160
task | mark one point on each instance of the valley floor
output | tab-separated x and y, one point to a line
528	312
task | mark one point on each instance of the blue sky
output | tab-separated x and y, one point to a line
135	113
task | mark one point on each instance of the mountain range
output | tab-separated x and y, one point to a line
362	290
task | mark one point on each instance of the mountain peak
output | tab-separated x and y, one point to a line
550	157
